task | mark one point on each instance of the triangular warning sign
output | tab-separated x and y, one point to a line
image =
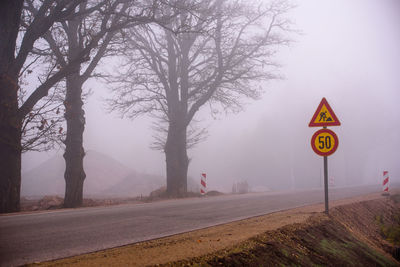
324	116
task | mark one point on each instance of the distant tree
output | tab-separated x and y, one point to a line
234	188
215	55
100	30
242	187
12	61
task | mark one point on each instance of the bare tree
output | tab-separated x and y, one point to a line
16	44
12	61
216	55
97	26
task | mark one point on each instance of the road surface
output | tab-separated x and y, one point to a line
33	237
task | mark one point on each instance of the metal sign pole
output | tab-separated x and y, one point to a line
324	142
326	184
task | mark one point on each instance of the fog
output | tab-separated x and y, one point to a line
347	51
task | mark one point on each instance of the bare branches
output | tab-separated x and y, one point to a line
76	36
46	15
42	128
218	53
143	98
244	49
195	135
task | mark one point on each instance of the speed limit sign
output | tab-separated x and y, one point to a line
324	142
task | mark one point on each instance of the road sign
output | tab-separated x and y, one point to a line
324	116
324	142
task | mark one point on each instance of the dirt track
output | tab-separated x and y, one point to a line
206	241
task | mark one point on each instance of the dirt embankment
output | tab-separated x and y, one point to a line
350	236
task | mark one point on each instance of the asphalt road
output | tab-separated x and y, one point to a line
27	238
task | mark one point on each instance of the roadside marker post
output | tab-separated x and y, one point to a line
385	183
203	184
324	142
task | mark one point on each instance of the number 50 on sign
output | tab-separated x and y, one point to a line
324	142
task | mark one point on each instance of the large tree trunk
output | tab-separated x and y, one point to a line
10	122
176	159
10	146
74	152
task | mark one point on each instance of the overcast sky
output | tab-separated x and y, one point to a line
348	52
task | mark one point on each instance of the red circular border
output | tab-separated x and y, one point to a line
334	137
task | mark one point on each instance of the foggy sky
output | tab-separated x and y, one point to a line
348	52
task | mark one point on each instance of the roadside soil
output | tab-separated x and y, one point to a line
51	202
304	236
350	236
56	202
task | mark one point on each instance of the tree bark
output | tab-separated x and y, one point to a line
10	122
175	146
176	159
74	151
10	146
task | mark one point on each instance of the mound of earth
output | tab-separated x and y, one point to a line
214	193
105	177
161	193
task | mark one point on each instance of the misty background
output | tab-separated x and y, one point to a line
348	52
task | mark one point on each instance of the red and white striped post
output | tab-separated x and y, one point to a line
385	183
203	184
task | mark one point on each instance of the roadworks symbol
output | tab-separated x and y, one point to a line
324	116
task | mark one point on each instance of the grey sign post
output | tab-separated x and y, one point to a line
324	142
